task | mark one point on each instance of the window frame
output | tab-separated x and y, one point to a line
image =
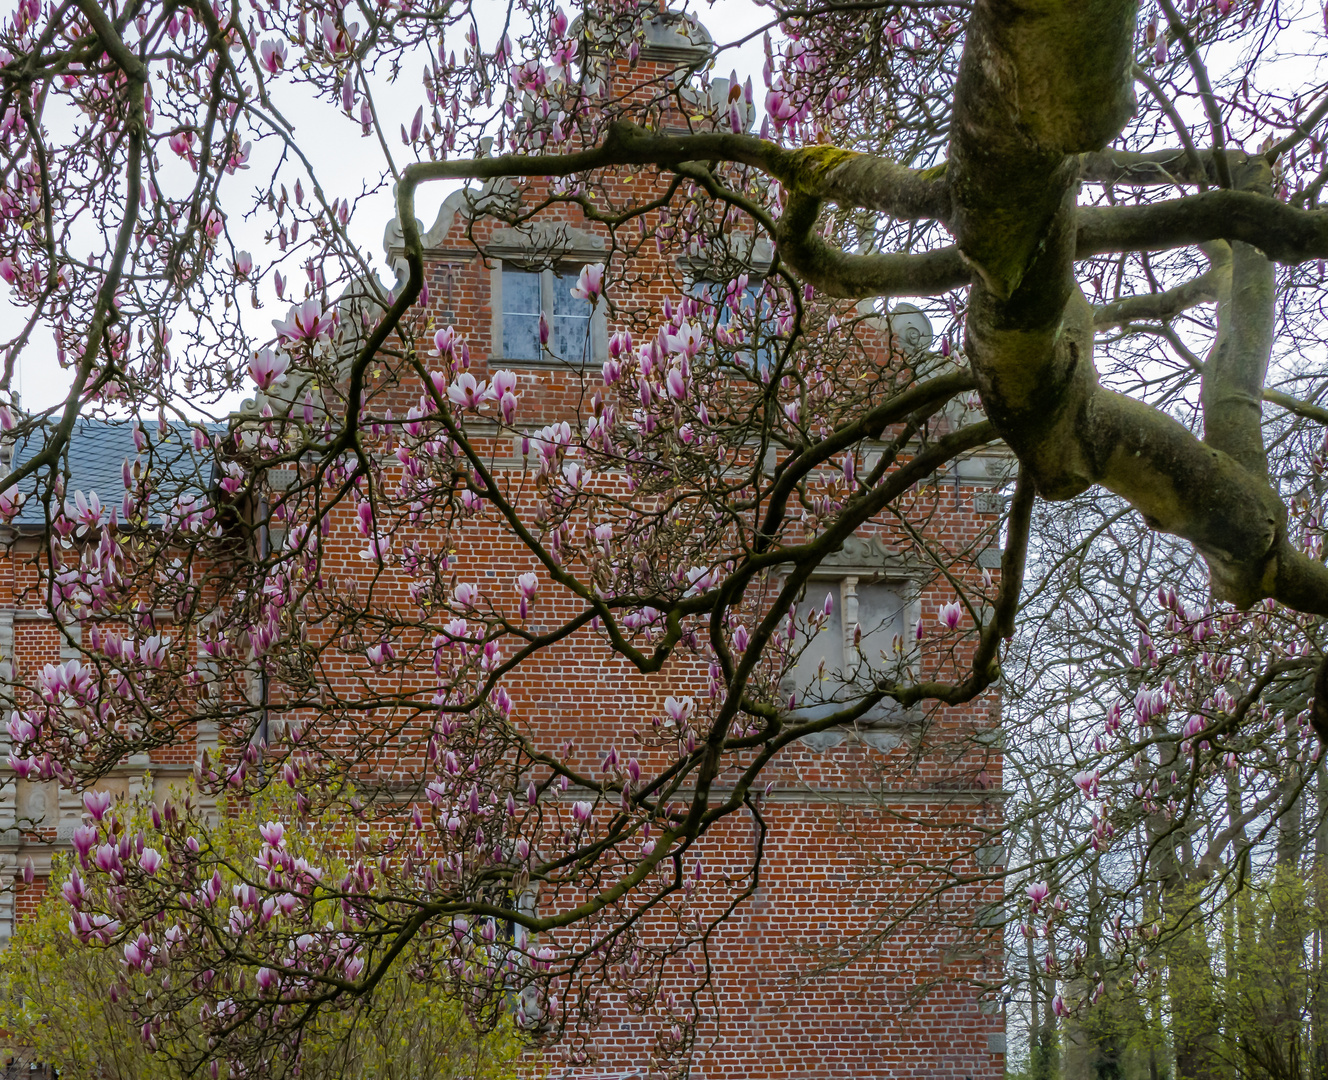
760	359
549	270
862	561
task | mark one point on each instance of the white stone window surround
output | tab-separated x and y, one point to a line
556	252
865	573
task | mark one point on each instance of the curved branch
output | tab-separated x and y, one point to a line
842	176
1165	305
1200	73
1283	233
837	273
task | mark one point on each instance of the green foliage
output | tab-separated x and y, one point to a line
68	1003
1276	997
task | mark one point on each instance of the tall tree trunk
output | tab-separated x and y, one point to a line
1101	1026
1194	1009
1041	1035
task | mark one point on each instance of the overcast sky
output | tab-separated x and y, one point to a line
344	162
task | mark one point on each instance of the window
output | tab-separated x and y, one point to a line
749	307
875	590
832	671
574	324
521	314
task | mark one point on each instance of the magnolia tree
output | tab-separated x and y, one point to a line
1163	773
1111	212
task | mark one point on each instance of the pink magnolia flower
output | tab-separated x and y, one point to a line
528	76
467	393
686	339
581	811
575	474
504	382
1037	893
273	55
268	367
676	385
234	478
272	832
780	108
83	840
9	270
589	283
244	264
699	579
1087	782
150	860
339	41
444	341
181	143
377	550
679	709
11	502
107	859
378	654
266	979
97	803
950	614
305	322
465	594
526	585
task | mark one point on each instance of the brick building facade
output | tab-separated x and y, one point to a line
860	825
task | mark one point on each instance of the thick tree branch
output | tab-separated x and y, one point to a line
1284	233
1021	100
837	273
841	176
1231	389
1165	305
1154	168
1039	83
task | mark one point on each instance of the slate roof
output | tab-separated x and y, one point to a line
95	458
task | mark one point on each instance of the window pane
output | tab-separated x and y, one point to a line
521	311
750	308
881	616
571	320
564	303
827	645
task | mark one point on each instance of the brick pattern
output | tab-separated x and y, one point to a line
849	823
